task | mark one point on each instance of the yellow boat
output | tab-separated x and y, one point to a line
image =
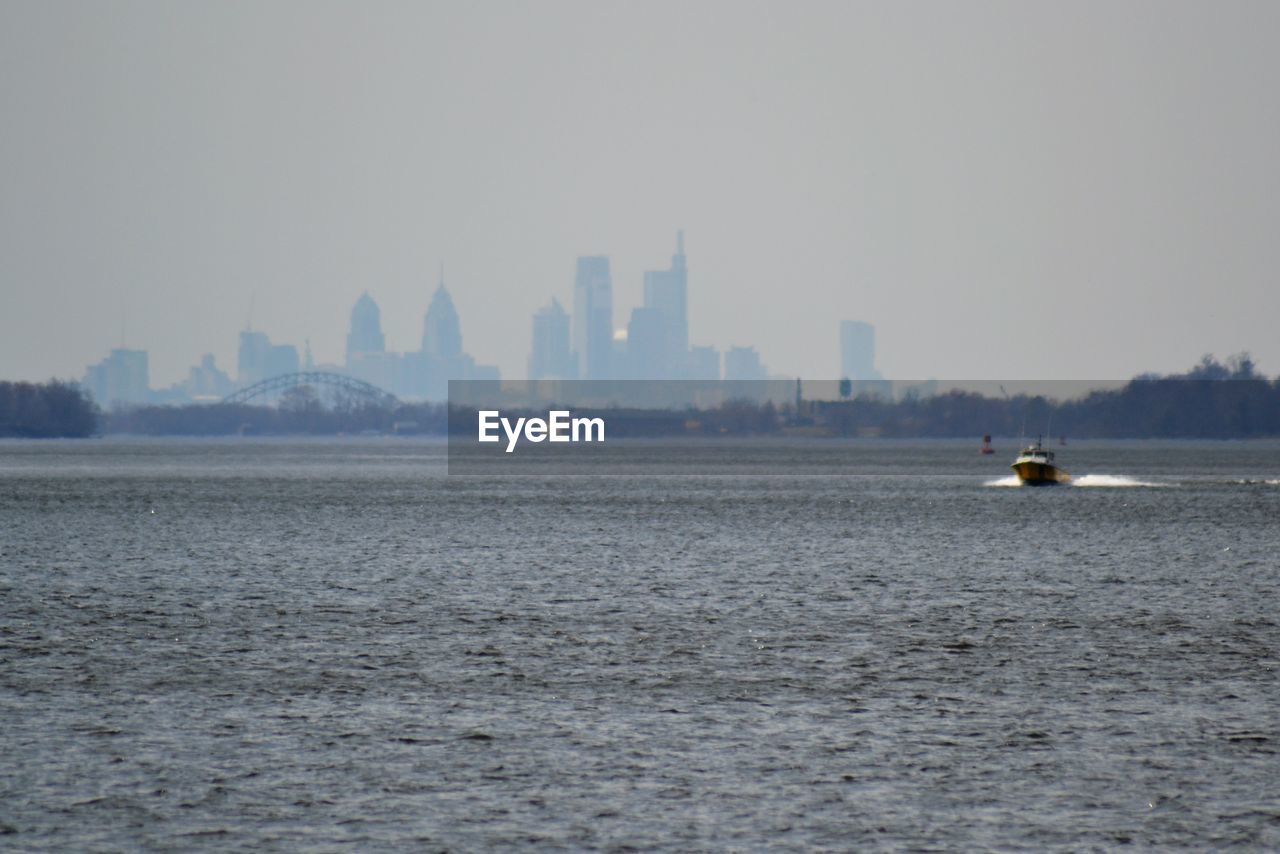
1035	466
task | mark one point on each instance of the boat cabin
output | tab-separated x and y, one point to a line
1037	454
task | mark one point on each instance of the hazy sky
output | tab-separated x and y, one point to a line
1018	189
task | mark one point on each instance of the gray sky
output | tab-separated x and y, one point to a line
1015	189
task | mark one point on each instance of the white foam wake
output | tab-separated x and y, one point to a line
1087	480
1110	480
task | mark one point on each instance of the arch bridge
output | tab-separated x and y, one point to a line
339	385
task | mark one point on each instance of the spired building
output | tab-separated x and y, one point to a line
422	375
366	329
441	358
441	329
551	357
664	350
367	356
593	318
654	345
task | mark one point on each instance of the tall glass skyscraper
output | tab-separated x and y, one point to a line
667	293
551	357
593	318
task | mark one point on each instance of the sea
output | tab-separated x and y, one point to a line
335	644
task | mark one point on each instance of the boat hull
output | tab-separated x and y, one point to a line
1039	474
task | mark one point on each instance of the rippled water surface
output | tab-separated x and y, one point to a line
334	644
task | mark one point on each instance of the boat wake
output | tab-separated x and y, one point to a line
1111	480
1087	480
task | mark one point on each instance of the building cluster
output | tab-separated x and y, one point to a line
420	375
653	345
122	377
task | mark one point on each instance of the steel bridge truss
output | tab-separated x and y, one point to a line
339	385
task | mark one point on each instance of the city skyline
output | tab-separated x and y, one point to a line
589	344
933	173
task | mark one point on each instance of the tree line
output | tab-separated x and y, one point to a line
1213	400
229	419
55	409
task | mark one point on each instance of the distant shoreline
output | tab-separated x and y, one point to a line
1212	401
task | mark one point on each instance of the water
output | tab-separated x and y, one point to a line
332	644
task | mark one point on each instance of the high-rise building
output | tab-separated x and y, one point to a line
427	373
366	329
120	378
550	357
667	292
647	353
704	363
593	318
743	363
251	358
858	351
258	359
441	330
367	356
206	382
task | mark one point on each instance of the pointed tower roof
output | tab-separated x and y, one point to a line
441	330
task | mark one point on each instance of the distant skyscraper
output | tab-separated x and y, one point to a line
648	356
366	329
122	377
743	363
593	317
367	356
426	374
704	363
251	358
667	292
282	359
206	382
858	351
550	357
441	330
258	359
